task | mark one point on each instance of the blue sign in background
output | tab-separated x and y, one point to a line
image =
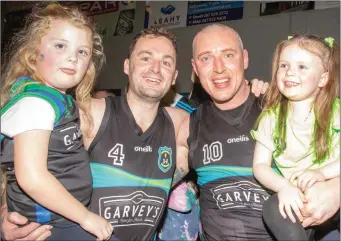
213	11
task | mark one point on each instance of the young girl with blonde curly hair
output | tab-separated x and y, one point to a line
47	168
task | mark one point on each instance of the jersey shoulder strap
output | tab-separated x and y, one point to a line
194	128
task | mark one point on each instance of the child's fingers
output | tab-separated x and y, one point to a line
109	231
303	199
297	209
300	180
106	234
299	202
281	210
294	176
311	182
99	236
288	210
305	181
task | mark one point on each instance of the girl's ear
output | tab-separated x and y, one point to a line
323	80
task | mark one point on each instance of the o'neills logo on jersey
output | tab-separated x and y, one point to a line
242	138
137	208
143	149
243	194
165	158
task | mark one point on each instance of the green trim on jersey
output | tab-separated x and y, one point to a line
28	87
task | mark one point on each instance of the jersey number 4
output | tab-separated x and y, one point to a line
212	152
117	154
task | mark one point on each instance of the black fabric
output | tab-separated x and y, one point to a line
199	94
73	232
221	152
236	112
283	229
130	169
67	161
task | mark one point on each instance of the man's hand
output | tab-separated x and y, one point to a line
10	230
323	202
258	87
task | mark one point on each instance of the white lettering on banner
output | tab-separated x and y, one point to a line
98	7
138	208
242	194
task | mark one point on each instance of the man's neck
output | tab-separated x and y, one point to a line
237	100
144	112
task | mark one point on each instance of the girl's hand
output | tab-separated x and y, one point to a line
291	198
307	178
97	225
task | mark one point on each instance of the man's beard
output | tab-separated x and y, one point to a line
150	96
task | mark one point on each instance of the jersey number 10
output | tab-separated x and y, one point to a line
212	152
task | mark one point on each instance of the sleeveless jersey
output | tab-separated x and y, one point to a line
132	170
67	161
221	152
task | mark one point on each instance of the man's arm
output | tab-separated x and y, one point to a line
97	112
323	202
180	120
181	152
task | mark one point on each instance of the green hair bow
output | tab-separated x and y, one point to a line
329	41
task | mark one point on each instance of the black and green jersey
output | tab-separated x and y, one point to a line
221	152
67	159
132	170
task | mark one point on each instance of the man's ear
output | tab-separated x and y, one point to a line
246	58
175	76
126	66
194	67
323	80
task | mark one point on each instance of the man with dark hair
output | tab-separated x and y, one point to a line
152	32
